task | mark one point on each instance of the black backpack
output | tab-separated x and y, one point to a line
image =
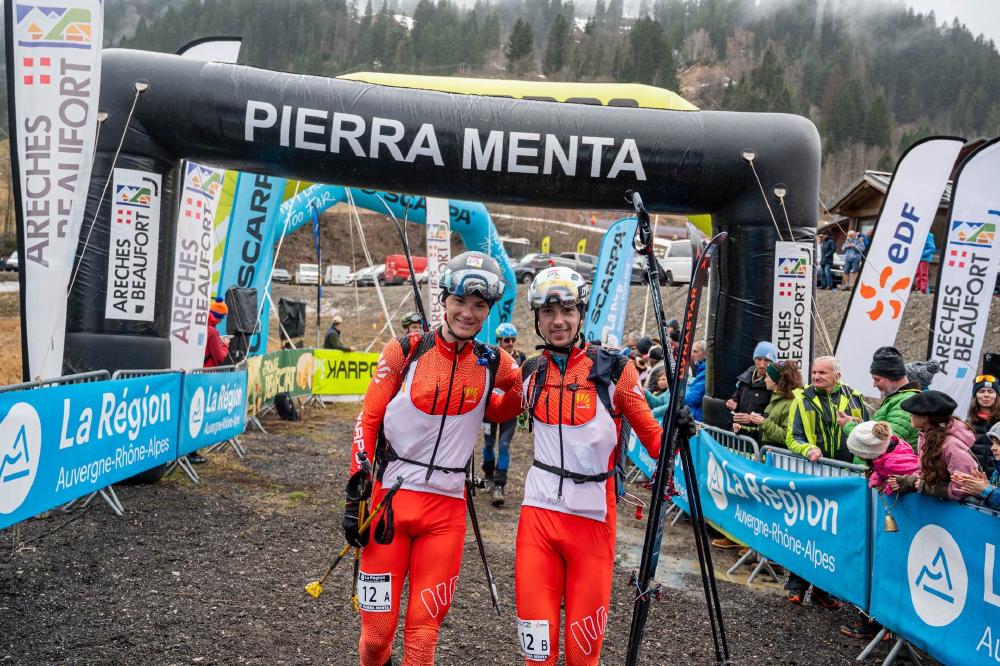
285	406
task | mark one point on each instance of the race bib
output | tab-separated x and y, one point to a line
375	592
533	635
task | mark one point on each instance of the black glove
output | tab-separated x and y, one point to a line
686	426
350	524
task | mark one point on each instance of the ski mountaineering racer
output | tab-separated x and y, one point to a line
421	420
565	552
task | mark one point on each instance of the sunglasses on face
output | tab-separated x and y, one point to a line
510	340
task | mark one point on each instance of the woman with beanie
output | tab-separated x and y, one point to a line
984	412
770	428
944	447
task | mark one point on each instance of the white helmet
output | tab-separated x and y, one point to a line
560	285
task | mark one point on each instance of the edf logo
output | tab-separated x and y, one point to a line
902	239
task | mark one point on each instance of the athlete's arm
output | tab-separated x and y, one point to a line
504	407
630	400
382	388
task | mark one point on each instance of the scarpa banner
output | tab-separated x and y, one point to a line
968	273
253	229
133	246
343	373
937	580
193	249
438	255
286	371
214	409
54	80
791	327
883	286
63	442
815	526
612	284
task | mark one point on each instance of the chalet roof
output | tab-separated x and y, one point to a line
867	184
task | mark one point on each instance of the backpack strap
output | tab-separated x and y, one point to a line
537	366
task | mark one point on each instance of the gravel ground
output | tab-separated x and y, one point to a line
214	574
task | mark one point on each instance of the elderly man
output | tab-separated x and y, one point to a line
815	430
332	339
889	377
854	252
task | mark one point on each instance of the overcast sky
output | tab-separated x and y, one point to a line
979	16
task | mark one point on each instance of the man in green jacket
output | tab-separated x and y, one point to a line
889	377
814	428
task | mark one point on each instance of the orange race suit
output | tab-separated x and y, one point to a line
565	549
431	420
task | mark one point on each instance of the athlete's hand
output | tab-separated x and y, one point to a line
350	525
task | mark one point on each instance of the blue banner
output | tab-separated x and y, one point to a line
937	580
214	409
612	284
254	226
63	442
816	526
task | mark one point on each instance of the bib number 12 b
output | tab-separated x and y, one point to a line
533	635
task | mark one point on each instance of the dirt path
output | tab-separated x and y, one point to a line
214	574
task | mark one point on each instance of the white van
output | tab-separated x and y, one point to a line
676	258
337	274
306	274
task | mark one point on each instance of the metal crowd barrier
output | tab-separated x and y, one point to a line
80	378
792	462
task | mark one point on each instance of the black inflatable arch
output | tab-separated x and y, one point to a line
441	144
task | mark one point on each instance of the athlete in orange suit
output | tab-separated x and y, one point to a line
428	406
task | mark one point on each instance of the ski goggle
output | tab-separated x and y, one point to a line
986	378
561	293
472	282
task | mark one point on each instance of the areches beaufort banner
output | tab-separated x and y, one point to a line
791	327
133	245
54	81
254	225
438	225
967	275
612	283
883	287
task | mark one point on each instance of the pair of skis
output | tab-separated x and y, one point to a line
676	370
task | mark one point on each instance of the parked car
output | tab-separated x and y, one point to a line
281	275
676	260
369	275
307	274
528	266
584	264
397	270
838	269
11	264
337	274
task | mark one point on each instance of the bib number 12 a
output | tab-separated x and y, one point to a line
375	592
533	635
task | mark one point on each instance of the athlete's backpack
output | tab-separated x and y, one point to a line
285	406
606	369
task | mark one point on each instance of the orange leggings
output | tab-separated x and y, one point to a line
427	546
563	556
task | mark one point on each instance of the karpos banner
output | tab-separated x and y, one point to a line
967	275
791	327
937	580
287	371
54	80
133	244
59	443
193	249
815	526
883	286
214	409
605	320
438	223
343	373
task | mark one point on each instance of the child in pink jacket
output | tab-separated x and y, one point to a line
884	453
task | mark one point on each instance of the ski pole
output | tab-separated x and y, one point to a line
315	588
471	504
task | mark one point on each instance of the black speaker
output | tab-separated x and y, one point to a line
292	315
242	304
991	364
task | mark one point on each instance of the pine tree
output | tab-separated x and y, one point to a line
520	48
555	46
491	32
877	123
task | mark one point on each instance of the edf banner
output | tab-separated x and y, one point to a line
343	373
215	409
937	580
612	283
812	525
62	442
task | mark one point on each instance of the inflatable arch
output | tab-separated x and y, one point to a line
469	220
448	145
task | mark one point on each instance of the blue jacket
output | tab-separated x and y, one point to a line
930	247
854	248
696	390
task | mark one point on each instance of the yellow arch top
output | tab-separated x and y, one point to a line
606	94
